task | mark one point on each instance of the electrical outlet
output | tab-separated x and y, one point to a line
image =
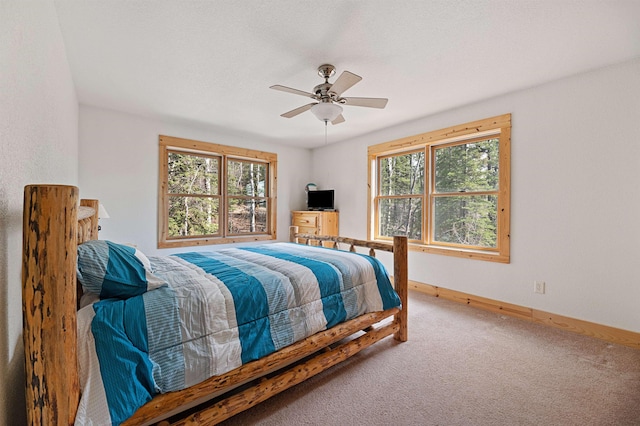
538	287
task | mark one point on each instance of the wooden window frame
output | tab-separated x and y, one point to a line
498	127
224	152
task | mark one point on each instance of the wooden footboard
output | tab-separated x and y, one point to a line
53	227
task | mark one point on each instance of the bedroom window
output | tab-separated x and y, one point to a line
214	194
447	190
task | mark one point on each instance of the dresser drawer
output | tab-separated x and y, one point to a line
305	220
307	230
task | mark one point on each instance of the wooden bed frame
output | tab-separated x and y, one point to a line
54	225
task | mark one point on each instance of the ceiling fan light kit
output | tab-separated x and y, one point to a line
326	111
329	96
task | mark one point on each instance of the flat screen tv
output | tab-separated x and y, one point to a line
320	200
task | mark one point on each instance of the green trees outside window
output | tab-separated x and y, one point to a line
465	202
247	202
401	195
193	194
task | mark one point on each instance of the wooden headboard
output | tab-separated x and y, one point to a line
54	223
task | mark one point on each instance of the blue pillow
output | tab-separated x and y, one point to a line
113	270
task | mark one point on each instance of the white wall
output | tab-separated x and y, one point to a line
38	144
119	166
575	197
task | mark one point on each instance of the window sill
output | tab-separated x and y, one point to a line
198	242
456	252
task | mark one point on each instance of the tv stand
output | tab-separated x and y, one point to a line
316	222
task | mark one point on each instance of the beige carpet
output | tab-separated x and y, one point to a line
464	366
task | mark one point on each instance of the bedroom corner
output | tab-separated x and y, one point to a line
38	142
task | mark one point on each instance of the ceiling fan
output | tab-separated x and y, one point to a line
329	96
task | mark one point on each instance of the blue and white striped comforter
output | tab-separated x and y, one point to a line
218	311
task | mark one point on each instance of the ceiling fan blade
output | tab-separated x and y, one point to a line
294	91
345	81
339	119
366	102
298	110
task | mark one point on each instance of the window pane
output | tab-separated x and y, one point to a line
192	174
246	178
468	220
193	216
467	167
402	174
401	216
247	216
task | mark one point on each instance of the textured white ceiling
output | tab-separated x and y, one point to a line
212	62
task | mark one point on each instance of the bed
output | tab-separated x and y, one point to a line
57	226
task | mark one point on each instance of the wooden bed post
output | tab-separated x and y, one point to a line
49	303
293	230
93	227
401	283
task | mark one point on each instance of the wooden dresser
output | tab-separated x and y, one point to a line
315	222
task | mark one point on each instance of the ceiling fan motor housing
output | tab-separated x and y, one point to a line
322	92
